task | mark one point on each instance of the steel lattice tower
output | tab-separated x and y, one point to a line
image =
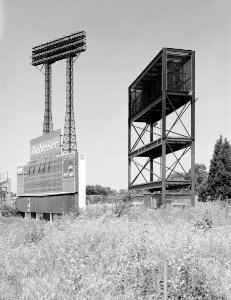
47	123
69	137
69	48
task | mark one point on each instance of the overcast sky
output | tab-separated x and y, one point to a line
123	36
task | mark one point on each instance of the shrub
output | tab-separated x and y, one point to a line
123	205
8	210
203	221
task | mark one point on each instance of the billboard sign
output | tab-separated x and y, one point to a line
47	145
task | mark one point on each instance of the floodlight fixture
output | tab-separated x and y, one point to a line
68	46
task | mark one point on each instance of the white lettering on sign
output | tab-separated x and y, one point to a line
44	148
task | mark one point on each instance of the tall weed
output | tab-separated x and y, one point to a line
103	256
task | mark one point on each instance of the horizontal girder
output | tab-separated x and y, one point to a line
154	149
157	185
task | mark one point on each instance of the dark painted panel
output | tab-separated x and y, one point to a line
21	204
48	204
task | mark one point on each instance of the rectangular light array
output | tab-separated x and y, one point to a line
59	49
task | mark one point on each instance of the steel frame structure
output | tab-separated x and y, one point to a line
165	88
69	48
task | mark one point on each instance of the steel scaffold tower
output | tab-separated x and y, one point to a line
164	91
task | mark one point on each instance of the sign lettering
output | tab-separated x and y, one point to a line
46	145
44	148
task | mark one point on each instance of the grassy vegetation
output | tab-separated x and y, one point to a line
105	255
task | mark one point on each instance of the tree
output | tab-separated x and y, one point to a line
219	178
90	190
201	176
99	190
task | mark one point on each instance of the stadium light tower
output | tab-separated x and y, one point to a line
54	180
69	48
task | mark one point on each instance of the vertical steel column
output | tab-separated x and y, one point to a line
163	138
129	139
193	132
151	160
69	137
47	123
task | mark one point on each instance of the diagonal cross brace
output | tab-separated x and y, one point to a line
168	168
148	169
139	136
154	133
177	119
177	161
179	116
140	171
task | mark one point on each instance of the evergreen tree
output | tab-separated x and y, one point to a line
219	178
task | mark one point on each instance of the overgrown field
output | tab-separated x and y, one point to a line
99	255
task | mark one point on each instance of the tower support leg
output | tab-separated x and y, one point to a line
193	135
163	134
129	149
163	165
151	160
47	123
69	137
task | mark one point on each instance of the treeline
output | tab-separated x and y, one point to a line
100	190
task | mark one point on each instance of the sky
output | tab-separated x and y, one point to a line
123	36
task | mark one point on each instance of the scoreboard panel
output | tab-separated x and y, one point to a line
49	176
51	182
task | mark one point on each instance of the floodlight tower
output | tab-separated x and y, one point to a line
69	48
53	182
